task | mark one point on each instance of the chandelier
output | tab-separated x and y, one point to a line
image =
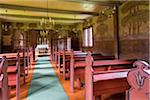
47	22
44	33
6	25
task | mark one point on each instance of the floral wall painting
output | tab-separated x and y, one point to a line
6	40
134	30
135	20
101	28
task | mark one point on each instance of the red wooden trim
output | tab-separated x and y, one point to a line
4	79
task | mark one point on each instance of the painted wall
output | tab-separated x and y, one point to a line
134	30
6	37
103	34
10	37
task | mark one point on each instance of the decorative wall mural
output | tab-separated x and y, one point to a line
6	40
134	30
104	28
135	19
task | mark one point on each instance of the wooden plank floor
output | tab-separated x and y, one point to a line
77	95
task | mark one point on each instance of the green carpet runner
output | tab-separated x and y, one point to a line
45	84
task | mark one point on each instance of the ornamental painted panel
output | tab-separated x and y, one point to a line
6	40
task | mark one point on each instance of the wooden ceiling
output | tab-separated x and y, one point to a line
61	11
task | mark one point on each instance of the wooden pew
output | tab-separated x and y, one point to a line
99	82
13	71
21	62
26	59
60	63
25	56
66	61
139	81
77	66
3	79
59	60
62	57
30	56
66	57
55	57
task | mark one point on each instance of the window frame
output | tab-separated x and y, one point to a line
83	38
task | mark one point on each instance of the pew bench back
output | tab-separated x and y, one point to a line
3	79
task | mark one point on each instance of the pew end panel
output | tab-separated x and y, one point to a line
4	94
14	74
139	80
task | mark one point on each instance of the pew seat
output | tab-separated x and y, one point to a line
112	74
11	69
109	83
12	79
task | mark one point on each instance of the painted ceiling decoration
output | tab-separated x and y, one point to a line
61	11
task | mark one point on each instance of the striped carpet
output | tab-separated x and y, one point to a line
45	84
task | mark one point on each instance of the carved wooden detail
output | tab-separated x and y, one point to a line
139	80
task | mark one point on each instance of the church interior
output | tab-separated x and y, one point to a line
74	50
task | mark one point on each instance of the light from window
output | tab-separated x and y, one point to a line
88	37
21	41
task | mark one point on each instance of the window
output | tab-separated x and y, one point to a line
88	37
21	41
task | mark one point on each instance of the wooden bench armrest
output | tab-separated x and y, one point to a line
110	75
110	71
112	62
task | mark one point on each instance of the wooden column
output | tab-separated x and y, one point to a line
116	32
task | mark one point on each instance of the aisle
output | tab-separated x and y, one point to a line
45	84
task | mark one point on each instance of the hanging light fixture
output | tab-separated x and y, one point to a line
44	33
108	12
5	25
47	22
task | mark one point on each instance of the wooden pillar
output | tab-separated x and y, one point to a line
116	32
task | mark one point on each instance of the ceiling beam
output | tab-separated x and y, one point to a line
98	2
29	21
37	9
40	17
